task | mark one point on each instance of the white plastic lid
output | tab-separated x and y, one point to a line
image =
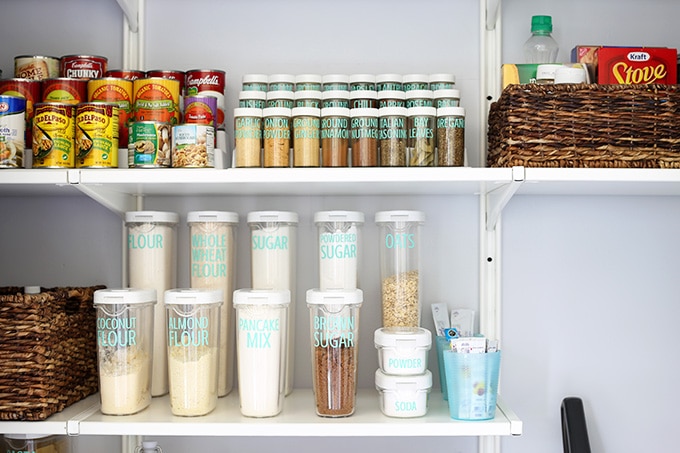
151	217
362	78
212	216
335	94
249	296
567	74
194	296
276	111
391	94
335	78
403	337
400	216
335	111
358	113
439	78
382	78
248	111
272	216
306	111
444	94
339	216
281	94
255	78
258	95
419	94
391	382
278	78
308	78
422	111
546	71
451	111
392	111
308	94
125	296
415	78
335	297
363	94
26	436
32	290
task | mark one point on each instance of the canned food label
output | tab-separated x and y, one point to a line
156	100
208	83
149	144
36	68
118	91
83	69
53	136
97	135
200	110
71	91
193	145
12	131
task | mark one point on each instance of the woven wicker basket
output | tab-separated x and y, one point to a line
585	125
48	353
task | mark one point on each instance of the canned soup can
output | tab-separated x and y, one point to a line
83	66
200	110
119	92
156	99
96	137
208	82
193	145
26	88
62	89
12	131
150	144
53	135
36	67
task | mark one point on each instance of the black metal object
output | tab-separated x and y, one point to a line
574	426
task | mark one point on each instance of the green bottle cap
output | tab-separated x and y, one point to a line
541	24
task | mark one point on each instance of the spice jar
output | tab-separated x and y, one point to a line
308	82
402	351
308	98
388	82
363	99
335	98
281	82
419	98
124	348
213	265
360	82
403	396
255	82
442	81
35	443
152	258
364	137
334	137
193	349
446	98
399	236
421	137
334	328
262	319
392	124
306	127
252	99
391	98
339	248
276	136
411	82
248	137
281	98
273	253
451	137
335	82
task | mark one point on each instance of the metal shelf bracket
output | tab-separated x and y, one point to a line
498	198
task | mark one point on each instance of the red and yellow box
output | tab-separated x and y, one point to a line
637	65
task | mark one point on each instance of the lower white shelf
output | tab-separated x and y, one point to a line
297	419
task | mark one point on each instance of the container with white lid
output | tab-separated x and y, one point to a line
262	319
308	82
442	81
545	73
308	98
403	396
281	99
255	82
412	82
281	82
333	82
359	82
388	82
419	98
152	263
193	349
213	265
335	99
35	443
402	351
570	74
339	248
446	98
252	99
391	98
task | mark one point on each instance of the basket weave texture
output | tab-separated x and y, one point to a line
48	353
585	125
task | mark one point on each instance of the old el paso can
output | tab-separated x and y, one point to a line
118	91
12	131
96	135
53	135
208	82
156	99
83	66
26	88
62	89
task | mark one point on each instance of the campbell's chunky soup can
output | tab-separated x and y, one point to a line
26	88
63	89
96	135
12	131
156	99
118	91
36	67
83	66
53	135
208	82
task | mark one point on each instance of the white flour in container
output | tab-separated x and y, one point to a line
124	381
193	388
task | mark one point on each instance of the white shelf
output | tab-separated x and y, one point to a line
297	419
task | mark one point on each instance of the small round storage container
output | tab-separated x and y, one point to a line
35	443
403	396
402	351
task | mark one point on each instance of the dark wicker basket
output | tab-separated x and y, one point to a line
585	125
48	351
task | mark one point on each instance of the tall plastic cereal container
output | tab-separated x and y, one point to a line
152	258
399	235
339	247
124	348
213	265
193	340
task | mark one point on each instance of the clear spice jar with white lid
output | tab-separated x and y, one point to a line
450	137
411	82
442	81
392	135
335	98
281	82
388	82
306	133
364	137
307	98
391	98
335	82
359	82
446	98
276	136
281	98
252	99
419	98
247	137
308	82
363	99
255	82
421	144
334	137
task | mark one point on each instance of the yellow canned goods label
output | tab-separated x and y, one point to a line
119	92
156	99
96	135
53	135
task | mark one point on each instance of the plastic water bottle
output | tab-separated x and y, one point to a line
541	47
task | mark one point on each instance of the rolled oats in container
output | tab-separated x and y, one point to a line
193	145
